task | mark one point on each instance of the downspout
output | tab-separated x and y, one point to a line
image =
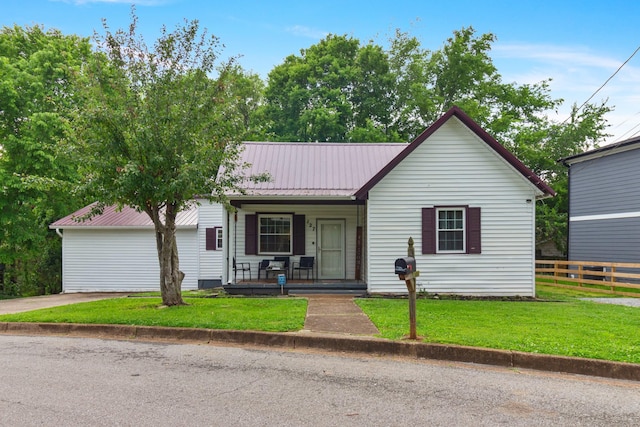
58	232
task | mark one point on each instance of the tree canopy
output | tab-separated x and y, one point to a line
156	129
37	96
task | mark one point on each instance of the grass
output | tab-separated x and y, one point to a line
567	326
259	314
561	325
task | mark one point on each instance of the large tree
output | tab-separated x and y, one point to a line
334	91
339	90
37	96
157	129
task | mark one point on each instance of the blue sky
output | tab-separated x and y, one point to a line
579	44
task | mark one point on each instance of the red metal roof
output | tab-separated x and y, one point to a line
314	169
126	218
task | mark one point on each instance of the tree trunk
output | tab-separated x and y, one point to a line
170	274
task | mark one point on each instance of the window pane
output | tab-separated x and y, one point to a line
451	230
450	241
275	234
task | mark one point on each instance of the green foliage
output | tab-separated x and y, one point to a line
37	96
338	90
330	92
257	314
157	130
570	328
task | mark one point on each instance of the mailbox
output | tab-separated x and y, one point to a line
406	265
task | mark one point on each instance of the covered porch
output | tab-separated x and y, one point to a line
297	287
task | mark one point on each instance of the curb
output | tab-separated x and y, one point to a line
363	345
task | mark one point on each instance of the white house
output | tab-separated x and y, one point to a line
468	203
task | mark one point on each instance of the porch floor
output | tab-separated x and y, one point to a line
296	286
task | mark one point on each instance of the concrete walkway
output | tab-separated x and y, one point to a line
336	314
18	305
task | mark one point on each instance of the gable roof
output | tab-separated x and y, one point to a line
126	218
607	150
475	128
314	169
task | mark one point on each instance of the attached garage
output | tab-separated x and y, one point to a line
116	251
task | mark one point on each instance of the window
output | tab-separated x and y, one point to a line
218	237
274	234
213	238
450	230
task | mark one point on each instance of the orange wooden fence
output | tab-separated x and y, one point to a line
605	277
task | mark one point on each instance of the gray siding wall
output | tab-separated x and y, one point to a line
609	240
606	185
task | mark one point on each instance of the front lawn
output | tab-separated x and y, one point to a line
259	314
569	328
561	325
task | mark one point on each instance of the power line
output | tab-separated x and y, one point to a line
605	83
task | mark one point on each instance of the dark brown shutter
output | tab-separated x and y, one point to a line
210	239
474	234
299	227
428	230
251	234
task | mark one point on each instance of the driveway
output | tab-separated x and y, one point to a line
18	305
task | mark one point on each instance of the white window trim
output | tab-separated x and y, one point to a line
290	217
219	237
464	229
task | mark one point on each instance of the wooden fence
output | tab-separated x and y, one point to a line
605	277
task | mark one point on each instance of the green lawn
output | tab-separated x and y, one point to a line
569	327
260	314
560	325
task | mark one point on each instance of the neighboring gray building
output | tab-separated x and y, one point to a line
604	203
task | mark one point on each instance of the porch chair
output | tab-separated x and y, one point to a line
240	266
305	263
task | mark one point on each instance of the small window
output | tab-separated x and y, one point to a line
451	230
274	234
219	237
213	238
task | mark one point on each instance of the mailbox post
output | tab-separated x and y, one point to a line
406	270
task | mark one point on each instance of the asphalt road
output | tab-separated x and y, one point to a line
74	381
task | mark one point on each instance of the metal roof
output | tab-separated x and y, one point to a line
627	144
314	169
125	218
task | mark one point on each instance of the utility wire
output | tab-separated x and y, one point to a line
605	83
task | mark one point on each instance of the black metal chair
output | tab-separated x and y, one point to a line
241	266
305	263
285	260
262	266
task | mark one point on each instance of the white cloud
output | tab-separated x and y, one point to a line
577	73
302	31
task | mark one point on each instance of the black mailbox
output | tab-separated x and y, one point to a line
406	265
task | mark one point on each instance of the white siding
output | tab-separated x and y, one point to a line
454	167
312	214
103	260
210	262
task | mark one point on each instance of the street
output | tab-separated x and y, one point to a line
77	381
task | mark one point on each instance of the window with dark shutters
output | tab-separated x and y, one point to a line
432	244
252	235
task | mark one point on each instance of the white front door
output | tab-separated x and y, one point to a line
331	252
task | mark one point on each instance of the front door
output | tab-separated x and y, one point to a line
331	251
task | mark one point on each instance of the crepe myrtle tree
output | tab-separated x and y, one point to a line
156	130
